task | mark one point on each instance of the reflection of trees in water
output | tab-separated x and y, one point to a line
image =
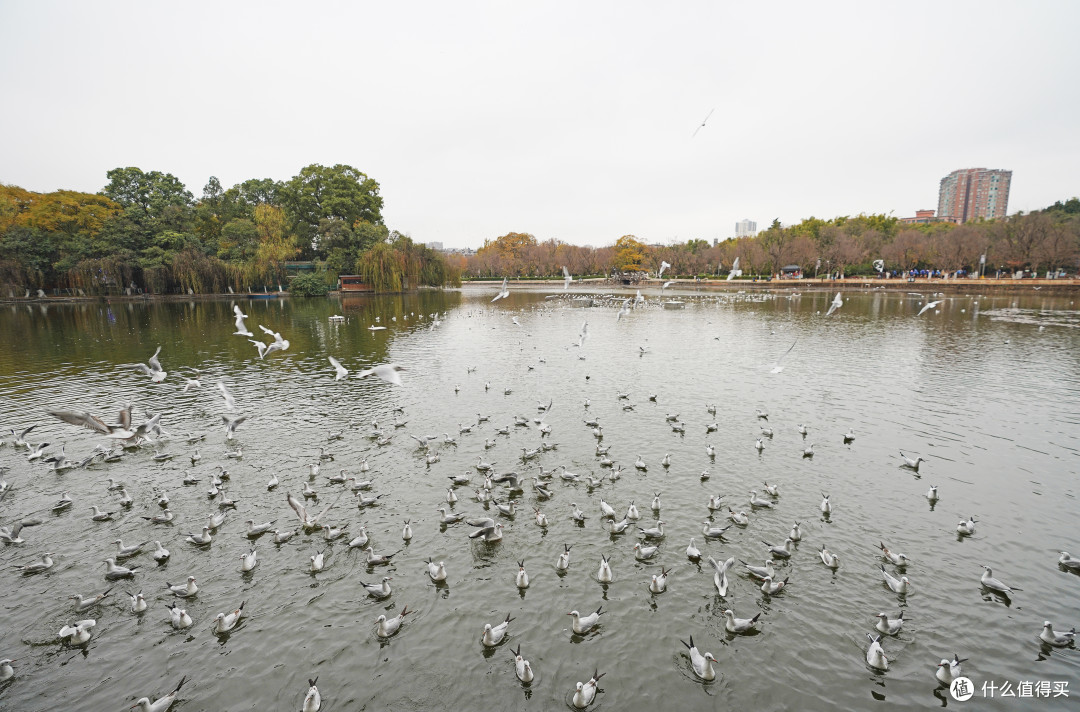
199	333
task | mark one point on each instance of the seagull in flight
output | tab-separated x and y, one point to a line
306	520
154	370
624	310
230	402
663	266
231	424
386	371
504	292
241	328
341	370
929	306
121	431
189	382
777	368
567	279
279	344
703	122
837	302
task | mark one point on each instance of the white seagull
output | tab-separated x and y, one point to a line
279	343
388	372
583	624
949	670
162	703
992	584
928	306
837	302
230	402
522	668
493	635
889	626
720	579
702	664
340	370
585	692
738	625
227	621
875	656
1056	638
154	370
312	700
241	328
387	627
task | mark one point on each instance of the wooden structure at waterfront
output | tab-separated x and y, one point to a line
354	284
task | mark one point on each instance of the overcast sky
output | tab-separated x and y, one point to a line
568	120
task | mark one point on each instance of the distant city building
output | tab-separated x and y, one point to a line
437	246
926	217
745	228
974	193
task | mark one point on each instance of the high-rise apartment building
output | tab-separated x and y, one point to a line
745	228
973	193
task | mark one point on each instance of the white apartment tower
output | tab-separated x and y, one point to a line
745	228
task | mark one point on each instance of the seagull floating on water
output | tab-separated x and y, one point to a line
992	584
387	627
949	670
701	664
898	585
583	624
225	622
875	656
889	626
522	668
585	692
493	635
78	633
312	700
909	463
828	558
162	703
1057	638
738	625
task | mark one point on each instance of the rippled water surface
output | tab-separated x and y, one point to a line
985	388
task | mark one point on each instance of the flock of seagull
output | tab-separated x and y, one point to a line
499	492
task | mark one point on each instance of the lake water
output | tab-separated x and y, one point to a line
985	388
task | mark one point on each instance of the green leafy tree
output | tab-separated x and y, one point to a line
146	194
319	193
239	240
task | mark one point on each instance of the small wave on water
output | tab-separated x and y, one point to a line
1036	317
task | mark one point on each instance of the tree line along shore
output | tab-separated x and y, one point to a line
146	233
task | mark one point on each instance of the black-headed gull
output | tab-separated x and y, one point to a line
493	635
583	624
701	663
162	703
738	625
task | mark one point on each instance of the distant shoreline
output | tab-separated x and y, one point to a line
922	284
951	286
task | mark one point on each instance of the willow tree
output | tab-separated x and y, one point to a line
268	264
382	267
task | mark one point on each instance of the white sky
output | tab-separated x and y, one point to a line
568	120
